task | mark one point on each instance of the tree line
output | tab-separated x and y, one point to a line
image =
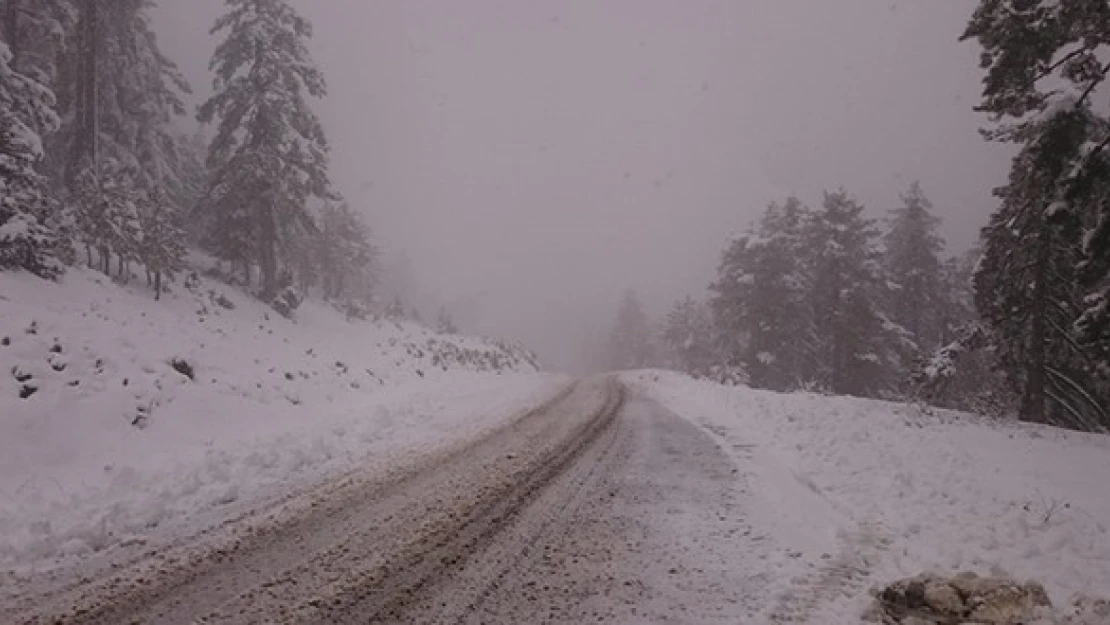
94	167
826	299
823	299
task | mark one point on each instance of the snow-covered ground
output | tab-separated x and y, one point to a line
847	494
104	442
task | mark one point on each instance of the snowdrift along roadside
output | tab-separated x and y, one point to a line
854	493
122	418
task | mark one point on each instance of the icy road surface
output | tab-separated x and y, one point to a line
597	507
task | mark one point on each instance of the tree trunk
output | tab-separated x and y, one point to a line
157	285
1033	398
267	249
85	149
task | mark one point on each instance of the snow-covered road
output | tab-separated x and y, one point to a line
598	506
646	498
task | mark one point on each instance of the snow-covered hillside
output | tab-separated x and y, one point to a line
846	494
120	414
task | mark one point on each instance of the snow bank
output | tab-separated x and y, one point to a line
121	417
857	493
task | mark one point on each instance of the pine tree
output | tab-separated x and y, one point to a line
688	335
36	31
914	278
445	324
107	215
269	156
854	351
630	344
761	304
161	246
120	96
1027	289
26	110
1045	252
964	373
347	257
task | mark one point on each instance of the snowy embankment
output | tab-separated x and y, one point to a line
850	493
122	418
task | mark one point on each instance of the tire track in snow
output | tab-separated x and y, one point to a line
843	576
344	523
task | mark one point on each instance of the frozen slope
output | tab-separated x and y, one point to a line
854	493
103	443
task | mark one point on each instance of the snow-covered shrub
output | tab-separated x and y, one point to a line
220	300
287	301
26	243
728	375
353	309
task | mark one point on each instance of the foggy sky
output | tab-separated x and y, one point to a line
535	159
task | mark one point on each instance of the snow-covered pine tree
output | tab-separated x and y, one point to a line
119	95
1027	287
964	373
731	298
688	336
269	155
35	31
854	351
630	341
107	215
761	300
444	323
1045	62
914	277
161	244
347	257
26	111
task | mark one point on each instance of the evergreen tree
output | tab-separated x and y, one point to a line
269	156
161	248
761	304
1027	290
1042	286
120	96
445	324
914	281
35	32
107	215
688	335
26	109
630	344
853	343
347	256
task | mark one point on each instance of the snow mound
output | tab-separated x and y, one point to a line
868	492
121	416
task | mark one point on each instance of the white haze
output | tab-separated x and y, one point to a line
534	159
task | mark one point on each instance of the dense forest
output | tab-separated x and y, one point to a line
94	166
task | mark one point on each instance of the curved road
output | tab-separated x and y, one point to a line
597	507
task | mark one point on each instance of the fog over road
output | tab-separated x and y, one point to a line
597	507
